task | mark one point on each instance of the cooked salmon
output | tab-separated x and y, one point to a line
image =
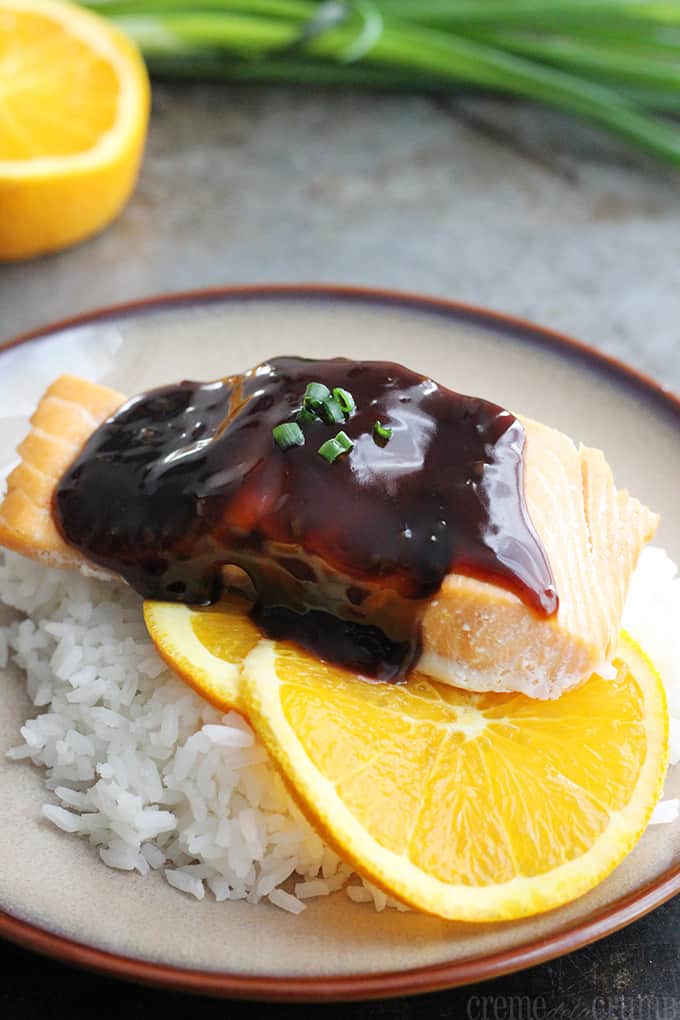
476	635
481	637
64	420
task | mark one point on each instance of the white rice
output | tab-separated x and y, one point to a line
158	780
154	777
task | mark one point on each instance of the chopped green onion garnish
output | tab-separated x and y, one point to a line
288	434
331	450
344	441
334	448
345	399
331	412
319	402
305	416
382	432
315	394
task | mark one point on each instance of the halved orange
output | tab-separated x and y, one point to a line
74	108
478	807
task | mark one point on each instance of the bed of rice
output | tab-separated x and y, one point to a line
158	780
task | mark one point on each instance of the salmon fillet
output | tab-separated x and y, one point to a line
483	638
475	634
64	420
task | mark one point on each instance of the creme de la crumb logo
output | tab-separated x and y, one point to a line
601	1007
506	1007
636	1007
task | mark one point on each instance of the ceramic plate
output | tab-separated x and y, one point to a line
55	894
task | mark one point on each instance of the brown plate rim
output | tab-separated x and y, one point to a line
384	984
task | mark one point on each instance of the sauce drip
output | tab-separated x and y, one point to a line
343	556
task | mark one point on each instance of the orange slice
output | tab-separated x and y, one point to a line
478	807
74	108
205	647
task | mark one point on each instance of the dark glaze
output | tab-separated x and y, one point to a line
344	556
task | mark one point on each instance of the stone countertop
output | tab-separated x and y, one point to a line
501	205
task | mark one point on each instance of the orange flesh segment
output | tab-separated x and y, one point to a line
40	59
231	643
439	766
205	647
470	806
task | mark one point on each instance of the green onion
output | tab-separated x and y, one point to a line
344	441
288	434
611	62
334	448
331	412
382	432
345	399
315	394
305	416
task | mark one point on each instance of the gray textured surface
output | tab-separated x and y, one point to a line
504	206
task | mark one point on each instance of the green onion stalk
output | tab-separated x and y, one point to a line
615	63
